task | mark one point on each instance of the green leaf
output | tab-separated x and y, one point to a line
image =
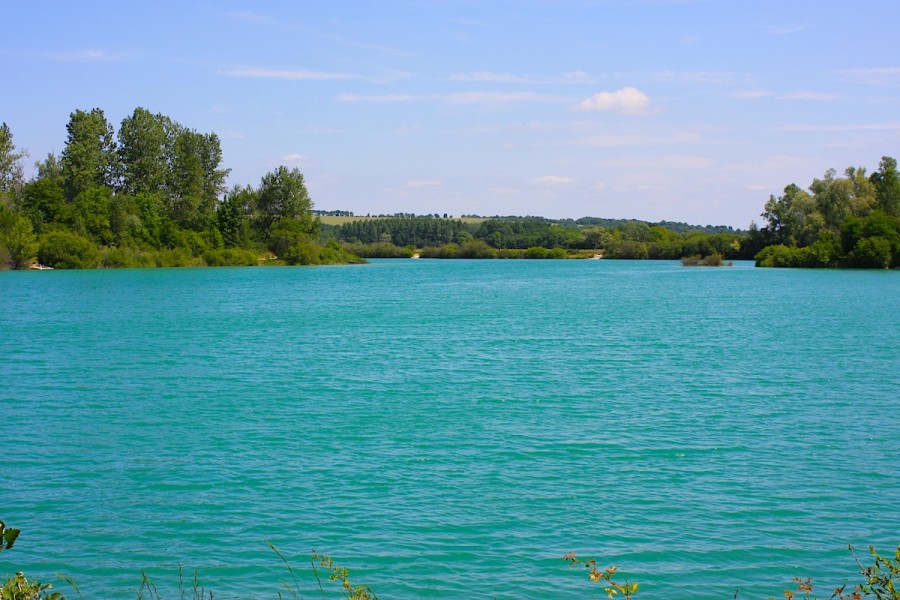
9	537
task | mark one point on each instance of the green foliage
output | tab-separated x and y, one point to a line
43	201
477	249
713	260
341	574
230	257
11	177
283	196
143	149
850	221
379	250
64	250
17	238
8	536
882	576
18	587
611	587
89	159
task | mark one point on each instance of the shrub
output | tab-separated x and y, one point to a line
64	250
231	257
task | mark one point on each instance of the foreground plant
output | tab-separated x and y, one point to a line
342	574
612	588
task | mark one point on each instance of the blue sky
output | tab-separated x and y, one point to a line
682	110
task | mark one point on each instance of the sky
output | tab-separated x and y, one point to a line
680	110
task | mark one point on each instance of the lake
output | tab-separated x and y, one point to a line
450	429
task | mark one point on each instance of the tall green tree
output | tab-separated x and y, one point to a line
142	150
195	179
11	174
283	195
89	158
50	169
887	186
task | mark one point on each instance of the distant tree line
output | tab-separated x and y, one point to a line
152	194
510	237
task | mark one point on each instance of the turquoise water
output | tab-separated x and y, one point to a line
450	429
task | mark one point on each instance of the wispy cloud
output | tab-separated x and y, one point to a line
85	56
808	95
837	128
873	75
294	159
751	94
625	140
487	76
673	161
551	180
386	98
288	74
250	17
498	97
705	77
571	77
628	100
418	184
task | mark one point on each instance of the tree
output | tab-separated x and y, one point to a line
17	236
195	179
143	148
794	218
50	169
11	175
43	201
89	158
887	186
231	216
283	195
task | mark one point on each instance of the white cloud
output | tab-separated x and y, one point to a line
577	77
505	191
418	184
378	98
834	128
295	159
708	77
487	76
85	56
628	100
497	97
615	141
817	96
874	75
288	74
551	180
751	94
680	162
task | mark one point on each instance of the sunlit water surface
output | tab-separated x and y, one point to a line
450	429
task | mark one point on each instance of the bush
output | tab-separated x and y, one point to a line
127	258
64	250
231	257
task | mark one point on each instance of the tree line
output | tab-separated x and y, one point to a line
849	221
524	237
151	194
